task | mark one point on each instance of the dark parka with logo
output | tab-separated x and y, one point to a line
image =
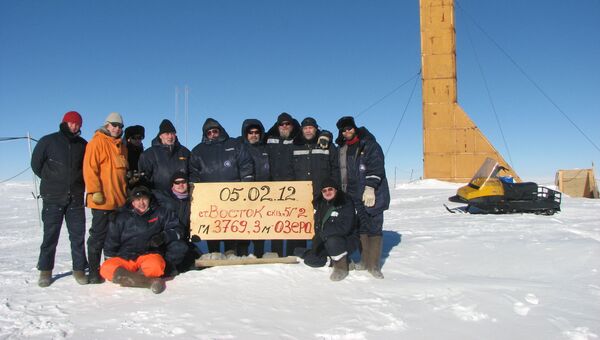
312	162
129	234
335	229
58	160
221	160
280	149
365	166
160	162
181	207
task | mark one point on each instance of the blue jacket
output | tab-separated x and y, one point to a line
129	234
365	166
280	152
221	160
181	207
335	218
58	160
313	163
160	162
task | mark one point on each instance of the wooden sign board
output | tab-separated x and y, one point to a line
252	211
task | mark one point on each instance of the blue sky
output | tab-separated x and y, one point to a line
326	59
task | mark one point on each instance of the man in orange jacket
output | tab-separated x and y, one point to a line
104	171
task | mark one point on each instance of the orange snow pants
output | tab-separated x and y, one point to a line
151	265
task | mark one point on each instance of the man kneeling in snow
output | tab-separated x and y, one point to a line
141	240
335	231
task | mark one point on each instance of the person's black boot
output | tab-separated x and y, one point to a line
94	263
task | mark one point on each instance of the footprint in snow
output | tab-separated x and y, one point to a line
520	308
532	299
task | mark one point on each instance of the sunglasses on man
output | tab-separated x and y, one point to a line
214	131
116	125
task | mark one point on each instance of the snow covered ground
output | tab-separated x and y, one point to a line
447	276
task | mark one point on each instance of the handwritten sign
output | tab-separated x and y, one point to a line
252	210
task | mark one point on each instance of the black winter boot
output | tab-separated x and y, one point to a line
374	262
340	269
94	262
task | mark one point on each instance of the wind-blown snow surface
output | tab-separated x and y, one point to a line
447	276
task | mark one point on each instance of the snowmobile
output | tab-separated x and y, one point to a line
489	193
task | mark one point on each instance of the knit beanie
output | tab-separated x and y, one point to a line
179	174
139	191
113	117
72	117
347	121
309	121
166	126
329	183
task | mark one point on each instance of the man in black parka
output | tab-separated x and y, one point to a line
165	157
58	160
363	178
314	157
253	133
280	141
219	158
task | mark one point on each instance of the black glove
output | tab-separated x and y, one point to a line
133	177
157	240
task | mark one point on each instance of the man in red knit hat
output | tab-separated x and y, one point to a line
57	159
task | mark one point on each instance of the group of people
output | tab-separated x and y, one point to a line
140	203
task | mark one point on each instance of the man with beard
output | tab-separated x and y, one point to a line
105	175
279	140
165	157
362	169
57	159
252	136
219	158
314	157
